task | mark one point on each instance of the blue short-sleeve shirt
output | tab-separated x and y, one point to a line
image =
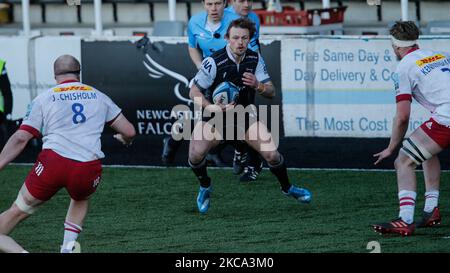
202	38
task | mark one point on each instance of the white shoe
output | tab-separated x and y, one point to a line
71	247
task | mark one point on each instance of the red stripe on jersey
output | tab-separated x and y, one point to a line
72	226
30	130
407	198
73	230
68	81
407	204
403	97
412	50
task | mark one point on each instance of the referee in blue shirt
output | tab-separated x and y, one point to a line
206	30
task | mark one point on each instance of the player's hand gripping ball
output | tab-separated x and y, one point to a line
225	93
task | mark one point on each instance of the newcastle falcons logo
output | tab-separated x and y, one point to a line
157	71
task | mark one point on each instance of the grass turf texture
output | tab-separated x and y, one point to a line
154	210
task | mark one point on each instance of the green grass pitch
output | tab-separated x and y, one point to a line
154	210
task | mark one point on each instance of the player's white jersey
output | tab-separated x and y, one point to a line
70	117
425	75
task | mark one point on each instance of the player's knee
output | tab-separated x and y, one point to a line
398	163
272	157
195	157
403	161
23	205
412	153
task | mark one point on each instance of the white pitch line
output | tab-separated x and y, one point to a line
230	168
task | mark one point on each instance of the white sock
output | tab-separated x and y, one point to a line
407	201
431	200
71	232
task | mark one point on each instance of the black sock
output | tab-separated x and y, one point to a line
254	160
280	171
201	173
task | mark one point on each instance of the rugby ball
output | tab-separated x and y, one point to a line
225	93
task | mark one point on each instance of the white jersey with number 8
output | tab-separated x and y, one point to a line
71	117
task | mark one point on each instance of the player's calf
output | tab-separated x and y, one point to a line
10	218
278	168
